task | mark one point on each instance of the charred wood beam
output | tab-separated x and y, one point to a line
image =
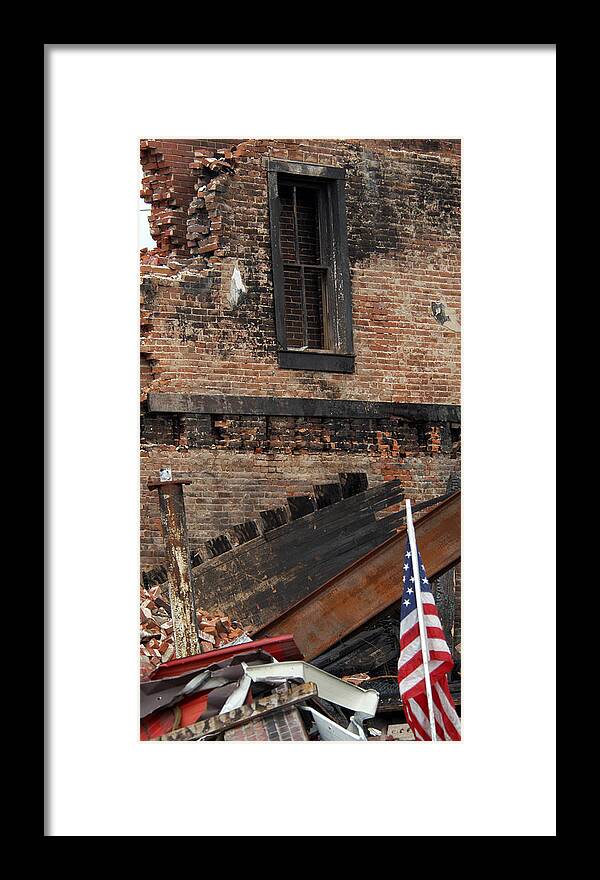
368	650
301	505
230	404
353	482
384	494
259	580
274	517
370	584
327	493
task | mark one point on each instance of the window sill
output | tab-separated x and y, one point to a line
327	362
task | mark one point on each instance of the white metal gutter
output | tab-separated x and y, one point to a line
363	703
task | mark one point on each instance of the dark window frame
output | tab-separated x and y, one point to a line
339	356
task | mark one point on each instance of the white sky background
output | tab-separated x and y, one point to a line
500	781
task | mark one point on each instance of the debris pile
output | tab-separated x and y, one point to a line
261	687
245	692
156	630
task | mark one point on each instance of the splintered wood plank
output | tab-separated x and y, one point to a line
260	579
327	493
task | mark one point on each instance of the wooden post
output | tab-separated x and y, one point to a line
181	596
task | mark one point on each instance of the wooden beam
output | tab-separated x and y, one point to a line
369	585
308	169
259	709
262	578
299	407
177	549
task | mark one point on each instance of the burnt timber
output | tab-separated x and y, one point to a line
373	648
370	584
350	483
264	577
230	404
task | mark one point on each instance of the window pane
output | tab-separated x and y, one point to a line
308	225
286	221
314	281
293	307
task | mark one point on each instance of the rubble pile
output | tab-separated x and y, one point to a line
244	692
215	630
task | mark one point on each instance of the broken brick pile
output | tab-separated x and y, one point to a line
182	182
205	222
156	630
164	183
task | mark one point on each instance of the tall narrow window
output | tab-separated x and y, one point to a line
311	277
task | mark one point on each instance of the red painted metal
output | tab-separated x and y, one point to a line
282	647
186	712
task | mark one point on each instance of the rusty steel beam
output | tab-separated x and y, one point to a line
181	595
369	585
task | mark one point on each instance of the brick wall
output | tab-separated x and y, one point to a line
210	215
232	483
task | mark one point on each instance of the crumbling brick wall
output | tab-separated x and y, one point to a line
210	215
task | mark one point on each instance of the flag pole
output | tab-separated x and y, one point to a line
422	629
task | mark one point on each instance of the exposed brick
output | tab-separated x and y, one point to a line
210	214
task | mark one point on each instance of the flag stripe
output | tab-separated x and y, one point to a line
411	670
443	692
433	632
436	645
430	620
414	683
419	710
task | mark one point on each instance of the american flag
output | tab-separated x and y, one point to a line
411	674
